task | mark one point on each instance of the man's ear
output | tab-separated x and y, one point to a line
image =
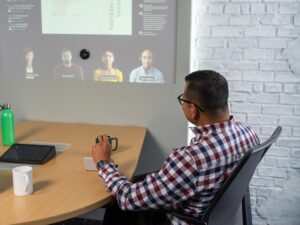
195	113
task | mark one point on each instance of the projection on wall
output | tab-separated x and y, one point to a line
104	41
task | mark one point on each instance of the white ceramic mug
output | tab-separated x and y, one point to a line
22	180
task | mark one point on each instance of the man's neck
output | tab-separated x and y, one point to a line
214	120
146	68
206	119
109	68
68	65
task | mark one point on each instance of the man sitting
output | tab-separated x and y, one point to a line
191	175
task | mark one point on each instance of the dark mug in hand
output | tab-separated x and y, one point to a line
112	140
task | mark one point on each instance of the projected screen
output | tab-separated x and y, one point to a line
106	41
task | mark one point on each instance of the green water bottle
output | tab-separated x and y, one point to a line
7	125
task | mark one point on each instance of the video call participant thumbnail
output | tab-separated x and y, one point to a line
30	73
146	73
68	70
108	73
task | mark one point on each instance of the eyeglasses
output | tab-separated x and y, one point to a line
181	101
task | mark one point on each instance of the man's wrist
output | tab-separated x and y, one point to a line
101	163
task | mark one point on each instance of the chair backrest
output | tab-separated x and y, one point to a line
223	209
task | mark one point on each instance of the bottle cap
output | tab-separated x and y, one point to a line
6	106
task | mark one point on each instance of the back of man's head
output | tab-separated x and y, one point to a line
208	89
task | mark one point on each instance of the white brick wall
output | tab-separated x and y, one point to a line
247	41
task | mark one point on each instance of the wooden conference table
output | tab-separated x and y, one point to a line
62	187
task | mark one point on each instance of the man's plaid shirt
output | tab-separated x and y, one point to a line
190	176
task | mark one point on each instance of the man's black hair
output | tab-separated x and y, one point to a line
208	89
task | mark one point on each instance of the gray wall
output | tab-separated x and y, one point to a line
152	106
256	45
252	42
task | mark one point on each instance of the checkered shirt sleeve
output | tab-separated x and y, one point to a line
174	183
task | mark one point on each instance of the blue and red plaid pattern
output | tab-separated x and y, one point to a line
190	176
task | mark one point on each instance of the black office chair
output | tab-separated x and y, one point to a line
225	208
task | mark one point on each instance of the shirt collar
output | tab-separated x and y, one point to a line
213	128
149	70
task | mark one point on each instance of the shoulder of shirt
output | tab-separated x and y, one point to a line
118	71
156	70
240	124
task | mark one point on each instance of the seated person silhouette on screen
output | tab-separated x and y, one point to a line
146	73
108	73
68	70
30	73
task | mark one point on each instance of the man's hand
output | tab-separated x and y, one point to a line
102	150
